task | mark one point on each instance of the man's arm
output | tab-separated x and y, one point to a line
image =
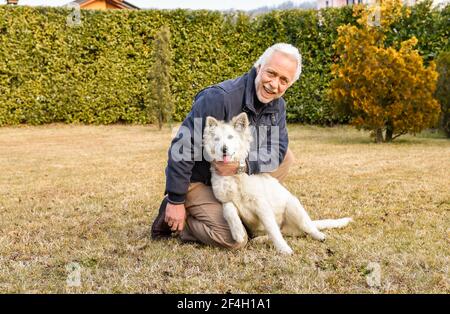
209	102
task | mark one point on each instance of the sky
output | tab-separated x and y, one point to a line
184	4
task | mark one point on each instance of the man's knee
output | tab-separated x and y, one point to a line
211	234
213	238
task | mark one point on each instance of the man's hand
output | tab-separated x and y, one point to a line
226	169
175	216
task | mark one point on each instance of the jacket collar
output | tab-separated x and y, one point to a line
271	107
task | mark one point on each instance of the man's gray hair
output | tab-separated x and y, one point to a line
287	49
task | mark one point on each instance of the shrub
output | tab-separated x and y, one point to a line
382	88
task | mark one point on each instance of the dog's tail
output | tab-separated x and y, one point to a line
332	223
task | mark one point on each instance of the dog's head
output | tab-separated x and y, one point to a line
227	141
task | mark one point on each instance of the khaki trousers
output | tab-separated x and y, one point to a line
205	222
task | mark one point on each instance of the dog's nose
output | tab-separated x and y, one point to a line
224	149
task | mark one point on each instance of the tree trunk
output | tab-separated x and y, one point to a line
379	135
389	133
160	120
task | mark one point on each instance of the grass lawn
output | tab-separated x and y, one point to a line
88	194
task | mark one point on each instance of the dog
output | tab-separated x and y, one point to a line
259	201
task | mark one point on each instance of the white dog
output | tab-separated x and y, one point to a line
262	203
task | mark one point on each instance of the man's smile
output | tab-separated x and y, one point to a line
268	91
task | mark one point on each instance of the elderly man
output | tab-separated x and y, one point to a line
189	206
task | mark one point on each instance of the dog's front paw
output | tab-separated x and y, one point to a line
239	235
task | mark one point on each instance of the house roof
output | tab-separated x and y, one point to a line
118	3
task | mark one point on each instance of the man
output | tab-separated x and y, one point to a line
190	207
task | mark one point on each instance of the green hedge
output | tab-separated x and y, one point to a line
97	72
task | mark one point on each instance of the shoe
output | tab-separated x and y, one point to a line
160	229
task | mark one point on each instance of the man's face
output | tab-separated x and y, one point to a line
274	77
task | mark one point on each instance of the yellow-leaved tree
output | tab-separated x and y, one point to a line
384	89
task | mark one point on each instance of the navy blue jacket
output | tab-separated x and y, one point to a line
223	101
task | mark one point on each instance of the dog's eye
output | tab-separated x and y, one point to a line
230	137
217	139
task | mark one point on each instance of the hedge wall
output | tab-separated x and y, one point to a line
97	72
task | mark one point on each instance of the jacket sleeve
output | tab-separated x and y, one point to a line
269	153
186	147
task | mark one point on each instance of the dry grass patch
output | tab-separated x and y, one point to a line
88	194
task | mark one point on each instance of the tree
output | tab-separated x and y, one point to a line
159	100
443	90
382	89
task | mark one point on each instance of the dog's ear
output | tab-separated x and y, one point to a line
211	122
240	122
